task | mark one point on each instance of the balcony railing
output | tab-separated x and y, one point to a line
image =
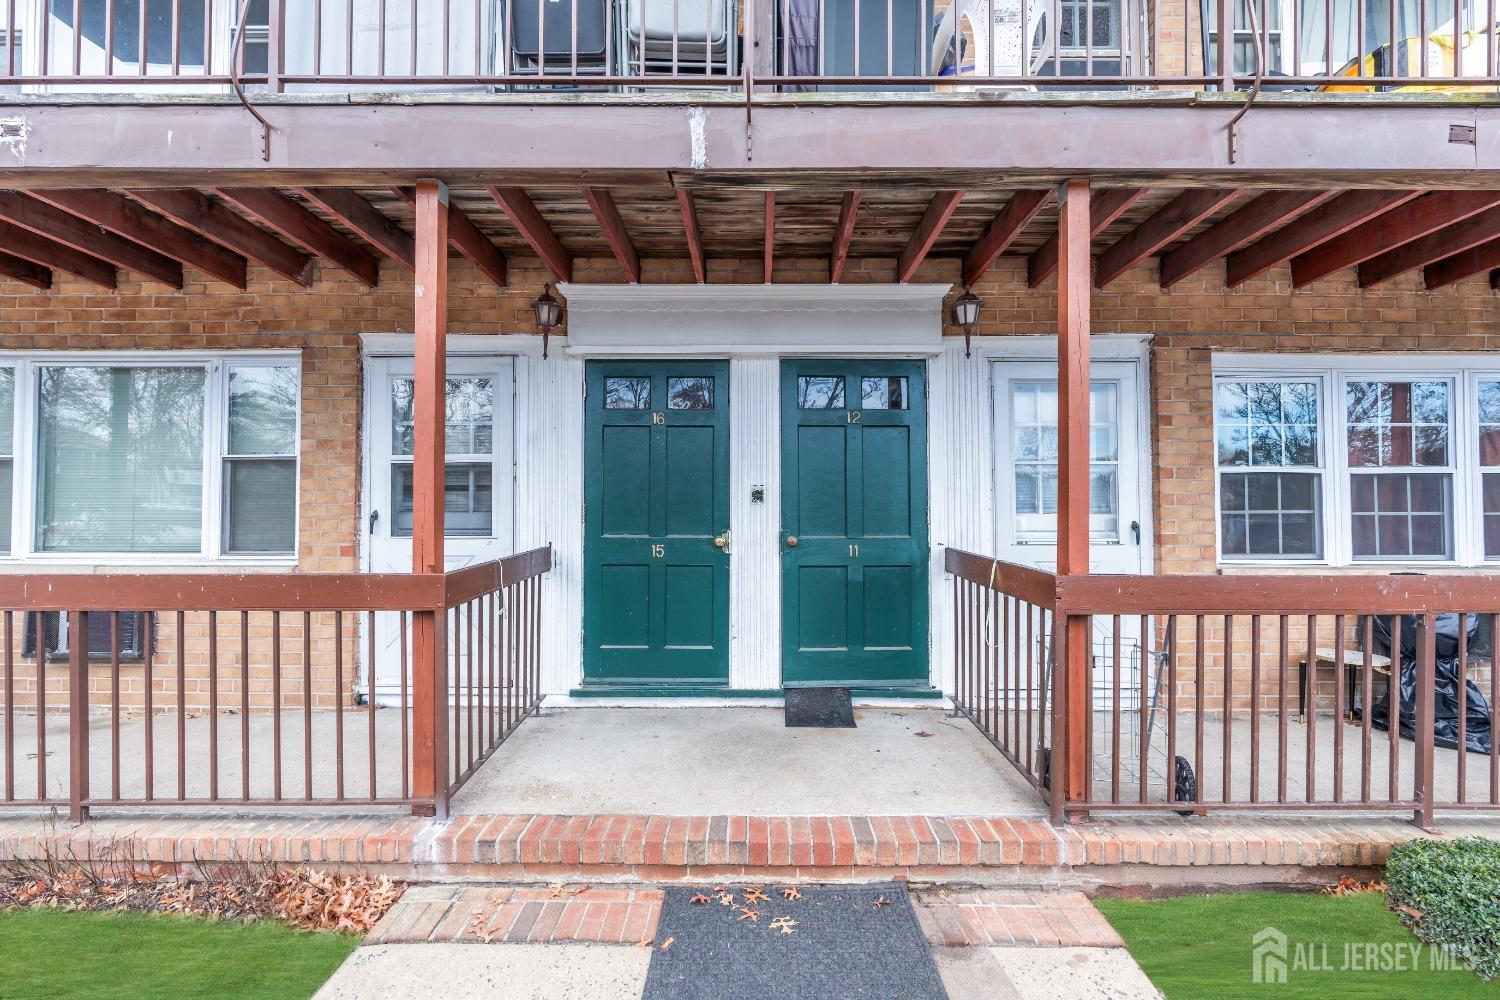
766	46
202	690
1266	694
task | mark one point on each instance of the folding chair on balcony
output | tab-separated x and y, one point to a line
692	37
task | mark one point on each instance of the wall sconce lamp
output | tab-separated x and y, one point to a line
549	313
966	314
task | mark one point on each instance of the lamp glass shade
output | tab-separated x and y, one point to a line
548	311
966	309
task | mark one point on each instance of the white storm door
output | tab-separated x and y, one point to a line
1025	408
479	476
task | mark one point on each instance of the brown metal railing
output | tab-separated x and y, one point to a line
764	46
202	690
1214	694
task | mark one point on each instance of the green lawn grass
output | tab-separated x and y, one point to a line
52	953
1198	947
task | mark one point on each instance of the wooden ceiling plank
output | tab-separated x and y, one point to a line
306	229
1002	232
1328	221
694	234
212	220
39	250
1249	222
25	271
348	207
1417	218
843	234
939	211
1108	205
68	229
1482	257
468	239
125	218
523	214
1452	241
1168	223
607	213
769	247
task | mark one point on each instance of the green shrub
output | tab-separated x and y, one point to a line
1448	893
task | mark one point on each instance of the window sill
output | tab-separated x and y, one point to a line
72	563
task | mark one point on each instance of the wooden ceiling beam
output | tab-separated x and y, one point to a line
693	233
468	239
1002	232
1168	224
1414	220
25	272
607	214
305	228
768	258
212	220
1452	241
523	214
68	229
125	218
1483	257
1107	206
1329	220
39	250
1245	224
939	211
348	207
843	234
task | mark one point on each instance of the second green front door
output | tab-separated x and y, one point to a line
854	523
656	520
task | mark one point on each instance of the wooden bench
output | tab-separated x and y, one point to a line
1354	659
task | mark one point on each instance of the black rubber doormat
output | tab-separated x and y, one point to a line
743	942
820	708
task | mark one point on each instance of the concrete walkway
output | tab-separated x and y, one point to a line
595	943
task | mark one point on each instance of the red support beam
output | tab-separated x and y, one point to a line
27	245
68	229
125	218
694	234
768	259
211	220
1331	219
1109	205
293	220
1002	232
1168	224
25	272
607	213
523	214
1073	305
1245	224
348	207
429	648
468	239
1414	220
843	234
939	211
1462	265
1452	242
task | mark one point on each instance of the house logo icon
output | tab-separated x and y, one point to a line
1268	956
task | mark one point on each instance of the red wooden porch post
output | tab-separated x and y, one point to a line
1074	283
429	626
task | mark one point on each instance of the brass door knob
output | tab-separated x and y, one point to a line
791	541
720	541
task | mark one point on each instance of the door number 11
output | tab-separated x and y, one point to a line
853	551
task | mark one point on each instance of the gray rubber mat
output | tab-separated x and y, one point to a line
832	943
819	708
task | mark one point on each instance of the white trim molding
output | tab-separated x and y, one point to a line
746	320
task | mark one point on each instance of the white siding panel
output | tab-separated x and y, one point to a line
755	563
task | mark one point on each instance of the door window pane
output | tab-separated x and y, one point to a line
820	392
627	393
468	499
690	393
469	424
883	393
120	459
1034	454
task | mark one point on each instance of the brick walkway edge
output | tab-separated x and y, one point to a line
661	848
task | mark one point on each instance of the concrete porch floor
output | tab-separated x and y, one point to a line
693	761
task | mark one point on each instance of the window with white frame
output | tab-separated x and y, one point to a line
149	456
1354	460
1035	456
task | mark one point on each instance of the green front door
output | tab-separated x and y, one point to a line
656	519
854	523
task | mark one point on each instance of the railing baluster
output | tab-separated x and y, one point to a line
114	702
148	738
1117	717
1283	650
78	712
1366	708
10	710
1255	695
213	705
1494	710
1171	762
1226	777
1463	706
1143	712
276	695
41	703
307	718
1310	710
1198	696
1339	708
245	704
338	703
370	697
181	705
1393	767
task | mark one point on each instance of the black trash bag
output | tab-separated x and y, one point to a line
1446	672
